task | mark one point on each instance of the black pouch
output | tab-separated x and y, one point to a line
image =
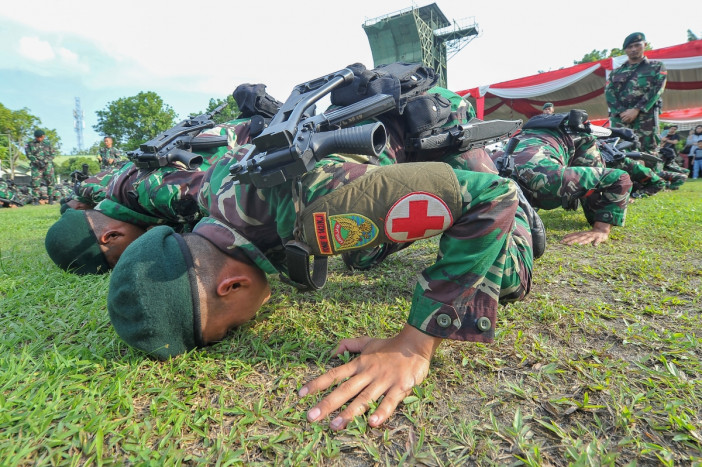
399	80
253	99
424	113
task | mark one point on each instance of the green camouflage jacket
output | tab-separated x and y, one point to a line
40	154
638	86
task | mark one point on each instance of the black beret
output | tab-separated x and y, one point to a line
38	133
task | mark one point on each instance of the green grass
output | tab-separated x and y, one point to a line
599	366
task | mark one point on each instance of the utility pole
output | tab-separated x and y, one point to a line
78	123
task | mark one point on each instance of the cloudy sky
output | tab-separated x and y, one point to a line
52	51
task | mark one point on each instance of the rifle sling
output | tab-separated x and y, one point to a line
298	259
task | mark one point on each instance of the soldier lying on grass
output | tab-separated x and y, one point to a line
116	207
172	293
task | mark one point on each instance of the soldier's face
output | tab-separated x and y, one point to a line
108	142
548	110
41	138
635	50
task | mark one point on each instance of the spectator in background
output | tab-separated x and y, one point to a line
671	138
696	155
548	108
690	144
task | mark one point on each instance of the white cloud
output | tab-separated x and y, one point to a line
67	56
36	49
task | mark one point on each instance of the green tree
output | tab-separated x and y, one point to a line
230	112
691	36
76	163
135	120
597	55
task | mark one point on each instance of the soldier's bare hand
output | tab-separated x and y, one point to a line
629	115
598	234
386	367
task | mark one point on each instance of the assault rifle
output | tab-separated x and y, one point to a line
78	177
294	142
176	144
474	134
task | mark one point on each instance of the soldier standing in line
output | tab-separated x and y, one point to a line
109	155
41	161
634	92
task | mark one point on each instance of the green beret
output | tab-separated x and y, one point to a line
38	133
547	105
153	301
73	246
633	37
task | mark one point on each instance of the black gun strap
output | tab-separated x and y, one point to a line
298	258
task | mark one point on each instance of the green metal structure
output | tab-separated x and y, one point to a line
418	35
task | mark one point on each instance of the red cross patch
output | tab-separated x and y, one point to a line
417	215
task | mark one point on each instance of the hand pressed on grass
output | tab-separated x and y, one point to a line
386	367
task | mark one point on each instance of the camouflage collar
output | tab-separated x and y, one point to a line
227	238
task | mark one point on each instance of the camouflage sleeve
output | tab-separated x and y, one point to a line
29	152
611	97
170	194
93	189
657	81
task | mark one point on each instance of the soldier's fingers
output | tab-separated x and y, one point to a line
328	379
358	407
386	408
355	345
338	397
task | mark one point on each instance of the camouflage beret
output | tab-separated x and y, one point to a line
38	133
633	37
73	246
153	299
547	105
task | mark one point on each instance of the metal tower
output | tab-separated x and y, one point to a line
419	34
78	123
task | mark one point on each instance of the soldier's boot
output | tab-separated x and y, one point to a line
369	258
536	225
51	199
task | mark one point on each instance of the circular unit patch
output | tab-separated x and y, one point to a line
416	216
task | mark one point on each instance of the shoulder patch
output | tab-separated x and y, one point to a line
351	231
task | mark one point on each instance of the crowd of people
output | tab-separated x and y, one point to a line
190	250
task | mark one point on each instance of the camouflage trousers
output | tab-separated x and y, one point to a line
485	256
45	176
674	180
646	127
548	184
646	181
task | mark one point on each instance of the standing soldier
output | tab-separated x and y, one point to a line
634	92
109	156
41	161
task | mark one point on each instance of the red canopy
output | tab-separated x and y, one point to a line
582	86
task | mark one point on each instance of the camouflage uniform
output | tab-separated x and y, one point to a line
645	181
110	153
638	86
41	161
672	173
485	254
11	194
554	171
163	196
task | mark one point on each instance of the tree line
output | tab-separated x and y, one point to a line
130	121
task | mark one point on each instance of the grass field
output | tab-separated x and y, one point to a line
599	366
